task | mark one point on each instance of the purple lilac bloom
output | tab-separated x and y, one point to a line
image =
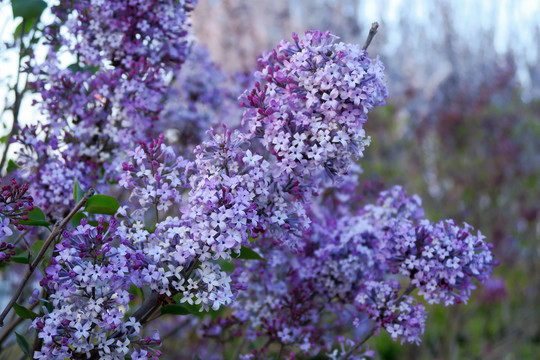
343	265
200	99
121	31
15	204
311	103
100	106
88	281
178	255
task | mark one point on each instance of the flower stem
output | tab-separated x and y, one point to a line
58	228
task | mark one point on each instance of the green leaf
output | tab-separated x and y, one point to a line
78	192
36	248
226	266
24	312
76	219
180	309
28	25
23	344
36	217
4	138
77	68
21	258
11	166
248	254
102	204
49	306
28	9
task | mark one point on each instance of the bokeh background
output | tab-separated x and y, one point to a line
461	129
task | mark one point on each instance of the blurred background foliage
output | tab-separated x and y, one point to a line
461	129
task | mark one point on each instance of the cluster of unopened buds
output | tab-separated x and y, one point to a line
15	204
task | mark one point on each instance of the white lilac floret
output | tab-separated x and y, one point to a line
199	99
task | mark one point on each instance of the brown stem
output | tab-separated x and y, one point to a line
371	34
359	343
407	291
371	331
21	236
239	349
147	308
35	344
58	228
281	348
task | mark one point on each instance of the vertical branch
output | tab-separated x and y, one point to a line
371	35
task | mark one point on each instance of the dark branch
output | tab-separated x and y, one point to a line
371	35
56	231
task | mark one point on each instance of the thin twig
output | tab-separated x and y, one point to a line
35	344
58	228
359	343
371	331
371	34
21	236
175	330
281	348
239	349
407	291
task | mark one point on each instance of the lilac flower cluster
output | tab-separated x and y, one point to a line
155	177
181	250
343	265
311	103
15	204
401	315
88	282
51	176
235	188
200	98
442	259
104	103
123	31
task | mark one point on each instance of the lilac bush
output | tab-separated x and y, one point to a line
252	230
108	99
